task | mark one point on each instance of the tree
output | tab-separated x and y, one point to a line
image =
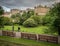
16	17
7	21
1	10
30	13
56	12
1	22
1	18
53	17
37	19
23	17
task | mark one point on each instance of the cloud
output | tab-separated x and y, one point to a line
24	3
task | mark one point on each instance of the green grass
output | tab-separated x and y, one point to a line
27	42
36	30
5	43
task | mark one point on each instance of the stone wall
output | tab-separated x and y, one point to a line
38	37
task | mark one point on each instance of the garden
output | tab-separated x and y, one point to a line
31	23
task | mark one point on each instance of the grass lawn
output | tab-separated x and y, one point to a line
36	30
5	43
26	42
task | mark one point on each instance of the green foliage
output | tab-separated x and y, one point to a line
30	13
1	10
37	19
56	12
13	16
25	16
1	22
48	20
1	18
16	18
53	17
7	21
22	19
30	23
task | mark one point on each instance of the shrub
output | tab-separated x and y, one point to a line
30	23
38	19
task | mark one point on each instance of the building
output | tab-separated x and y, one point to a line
41	10
7	14
15	11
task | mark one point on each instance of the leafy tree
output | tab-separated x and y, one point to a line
48	20
1	18
56	11
13	16
16	17
1	10
53	17
30	13
23	17
1	22
37	19
7	21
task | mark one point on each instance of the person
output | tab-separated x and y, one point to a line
18	29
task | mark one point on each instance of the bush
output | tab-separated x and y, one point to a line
38	19
30	23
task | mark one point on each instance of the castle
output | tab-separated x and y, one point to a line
39	10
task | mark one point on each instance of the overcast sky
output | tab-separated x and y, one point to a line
23	4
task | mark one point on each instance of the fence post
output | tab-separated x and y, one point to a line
18	34
0	33
59	39
37	37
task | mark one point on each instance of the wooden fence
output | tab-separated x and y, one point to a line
28	36
48	38
7	33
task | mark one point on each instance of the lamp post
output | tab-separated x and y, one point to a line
13	26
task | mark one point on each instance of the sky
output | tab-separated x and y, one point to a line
23	4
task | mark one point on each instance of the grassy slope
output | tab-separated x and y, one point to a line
37	30
27	42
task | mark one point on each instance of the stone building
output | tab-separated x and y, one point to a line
15	11
41	10
7	14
